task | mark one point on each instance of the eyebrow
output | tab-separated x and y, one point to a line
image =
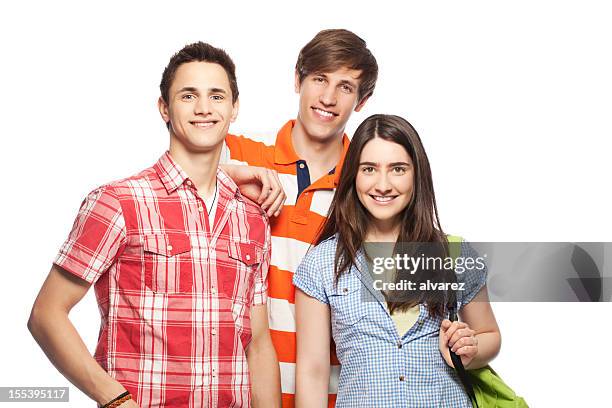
195	90
347	82
342	82
390	164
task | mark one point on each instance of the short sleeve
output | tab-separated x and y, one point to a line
97	236
242	150
260	296
309	276
471	271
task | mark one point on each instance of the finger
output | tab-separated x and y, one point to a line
265	187
277	205
463	341
452	329
283	194
274	190
446	324
467	351
461	333
442	341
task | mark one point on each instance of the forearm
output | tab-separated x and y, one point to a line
265	374
312	383
489	344
60	341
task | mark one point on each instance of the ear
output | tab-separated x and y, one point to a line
163	109
297	82
361	103
235	111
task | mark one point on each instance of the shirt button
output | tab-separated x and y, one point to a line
213	290
201	209
302	165
399	344
248	257
169	247
189	183
420	322
401	378
345	290
213	331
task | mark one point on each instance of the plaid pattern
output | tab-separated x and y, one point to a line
174	294
378	368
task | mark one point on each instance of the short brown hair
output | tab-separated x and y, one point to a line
199	52
333	49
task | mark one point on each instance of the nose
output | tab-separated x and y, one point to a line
383	185
202	107
328	96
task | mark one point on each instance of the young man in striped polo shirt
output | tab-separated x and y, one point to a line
335	75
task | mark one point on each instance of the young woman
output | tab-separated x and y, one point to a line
393	351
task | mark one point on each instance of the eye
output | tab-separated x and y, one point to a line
319	79
346	88
188	97
399	169
217	97
367	169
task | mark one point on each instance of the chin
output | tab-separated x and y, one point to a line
322	132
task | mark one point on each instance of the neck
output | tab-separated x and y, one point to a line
323	153
383	231
201	167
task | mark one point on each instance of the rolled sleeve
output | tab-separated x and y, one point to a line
473	278
97	236
260	296
309	277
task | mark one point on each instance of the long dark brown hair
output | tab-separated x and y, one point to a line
349	219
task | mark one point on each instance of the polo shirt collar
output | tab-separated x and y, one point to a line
284	153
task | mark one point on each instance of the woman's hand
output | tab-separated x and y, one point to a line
461	339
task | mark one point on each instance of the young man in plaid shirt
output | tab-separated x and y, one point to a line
179	258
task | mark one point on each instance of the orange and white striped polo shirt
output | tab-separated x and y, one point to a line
293	232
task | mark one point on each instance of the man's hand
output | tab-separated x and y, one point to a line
260	185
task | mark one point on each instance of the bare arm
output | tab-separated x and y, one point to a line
313	344
476	338
52	329
263	364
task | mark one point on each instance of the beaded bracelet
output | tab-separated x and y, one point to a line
114	403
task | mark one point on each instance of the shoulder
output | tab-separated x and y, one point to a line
147	178
323	253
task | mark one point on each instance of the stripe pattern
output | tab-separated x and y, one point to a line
293	233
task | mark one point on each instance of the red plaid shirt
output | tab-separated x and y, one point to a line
174	294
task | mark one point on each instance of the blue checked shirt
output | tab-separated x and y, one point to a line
378	367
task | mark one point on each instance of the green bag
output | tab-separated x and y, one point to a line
491	391
484	387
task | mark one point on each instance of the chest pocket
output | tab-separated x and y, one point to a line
168	265
346	303
237	272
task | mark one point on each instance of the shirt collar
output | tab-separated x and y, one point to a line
170	173
284	153
173	176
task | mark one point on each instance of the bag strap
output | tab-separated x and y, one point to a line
461	371
452	316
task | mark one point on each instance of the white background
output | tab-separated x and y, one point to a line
512	100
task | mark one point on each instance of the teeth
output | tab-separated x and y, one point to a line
323	113
203	124
383	199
